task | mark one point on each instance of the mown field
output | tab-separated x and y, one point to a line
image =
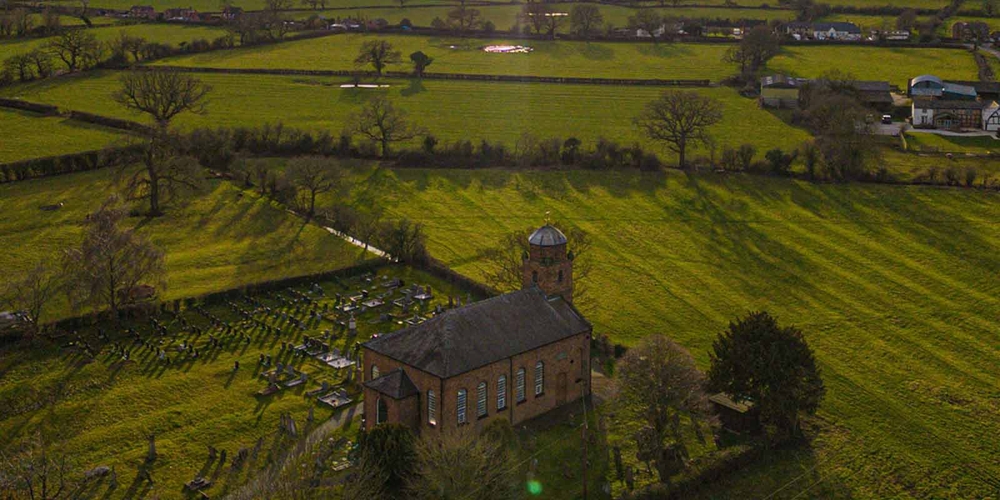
27	135
895	65
213	241
581	59
501	111
170	34
456	55
895	288
506	16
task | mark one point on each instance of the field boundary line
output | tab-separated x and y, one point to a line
657	82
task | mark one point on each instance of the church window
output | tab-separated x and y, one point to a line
461	406
432	408
481	400
501	392
560	275
374	372
539	378
381	411
519	387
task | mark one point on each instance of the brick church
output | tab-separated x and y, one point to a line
515	356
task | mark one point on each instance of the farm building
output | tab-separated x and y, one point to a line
515	356
738	417
780	91
142	12
824	31
187	14
934	87
948	114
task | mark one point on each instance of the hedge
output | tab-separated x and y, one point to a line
42	109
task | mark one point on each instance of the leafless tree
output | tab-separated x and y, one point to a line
586	20
647	20
506	257
315	175
679	118
161	94
21	21
76	48
659	383
378	53
111	262
380	121
35	473
30	293
758	46
19	65
535	14
464	19
128	44
451	465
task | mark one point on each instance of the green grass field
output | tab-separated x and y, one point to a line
895	288
27	135
505	16
951	144
501	111
170	34
455	55
895	65
213	241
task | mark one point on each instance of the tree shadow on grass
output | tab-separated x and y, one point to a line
416	86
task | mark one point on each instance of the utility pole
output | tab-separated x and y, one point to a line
584	432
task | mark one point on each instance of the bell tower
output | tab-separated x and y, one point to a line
548	264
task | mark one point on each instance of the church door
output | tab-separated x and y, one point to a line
561	389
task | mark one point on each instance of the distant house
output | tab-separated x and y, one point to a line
231	13
824	31
991	117
142	12
780	91
948	114
181	14
897	35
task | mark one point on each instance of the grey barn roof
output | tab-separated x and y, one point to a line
481	333
547	236
395	384
948	104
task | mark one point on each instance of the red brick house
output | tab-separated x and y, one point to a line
515	356
142	12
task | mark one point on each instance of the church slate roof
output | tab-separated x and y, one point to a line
547	236
481	333
395	384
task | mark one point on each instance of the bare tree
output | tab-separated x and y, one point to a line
647	20
660	384
378	53
315	175
536	14
21	21
161	94
30	293
451	465
111	263
75	48
585	20
504	261
679	118
464	19
383	123
36	473
125	44
758	46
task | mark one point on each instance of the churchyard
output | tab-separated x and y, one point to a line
224	384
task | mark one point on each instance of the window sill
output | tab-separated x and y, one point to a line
521	402
482	416
502	408
540	394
